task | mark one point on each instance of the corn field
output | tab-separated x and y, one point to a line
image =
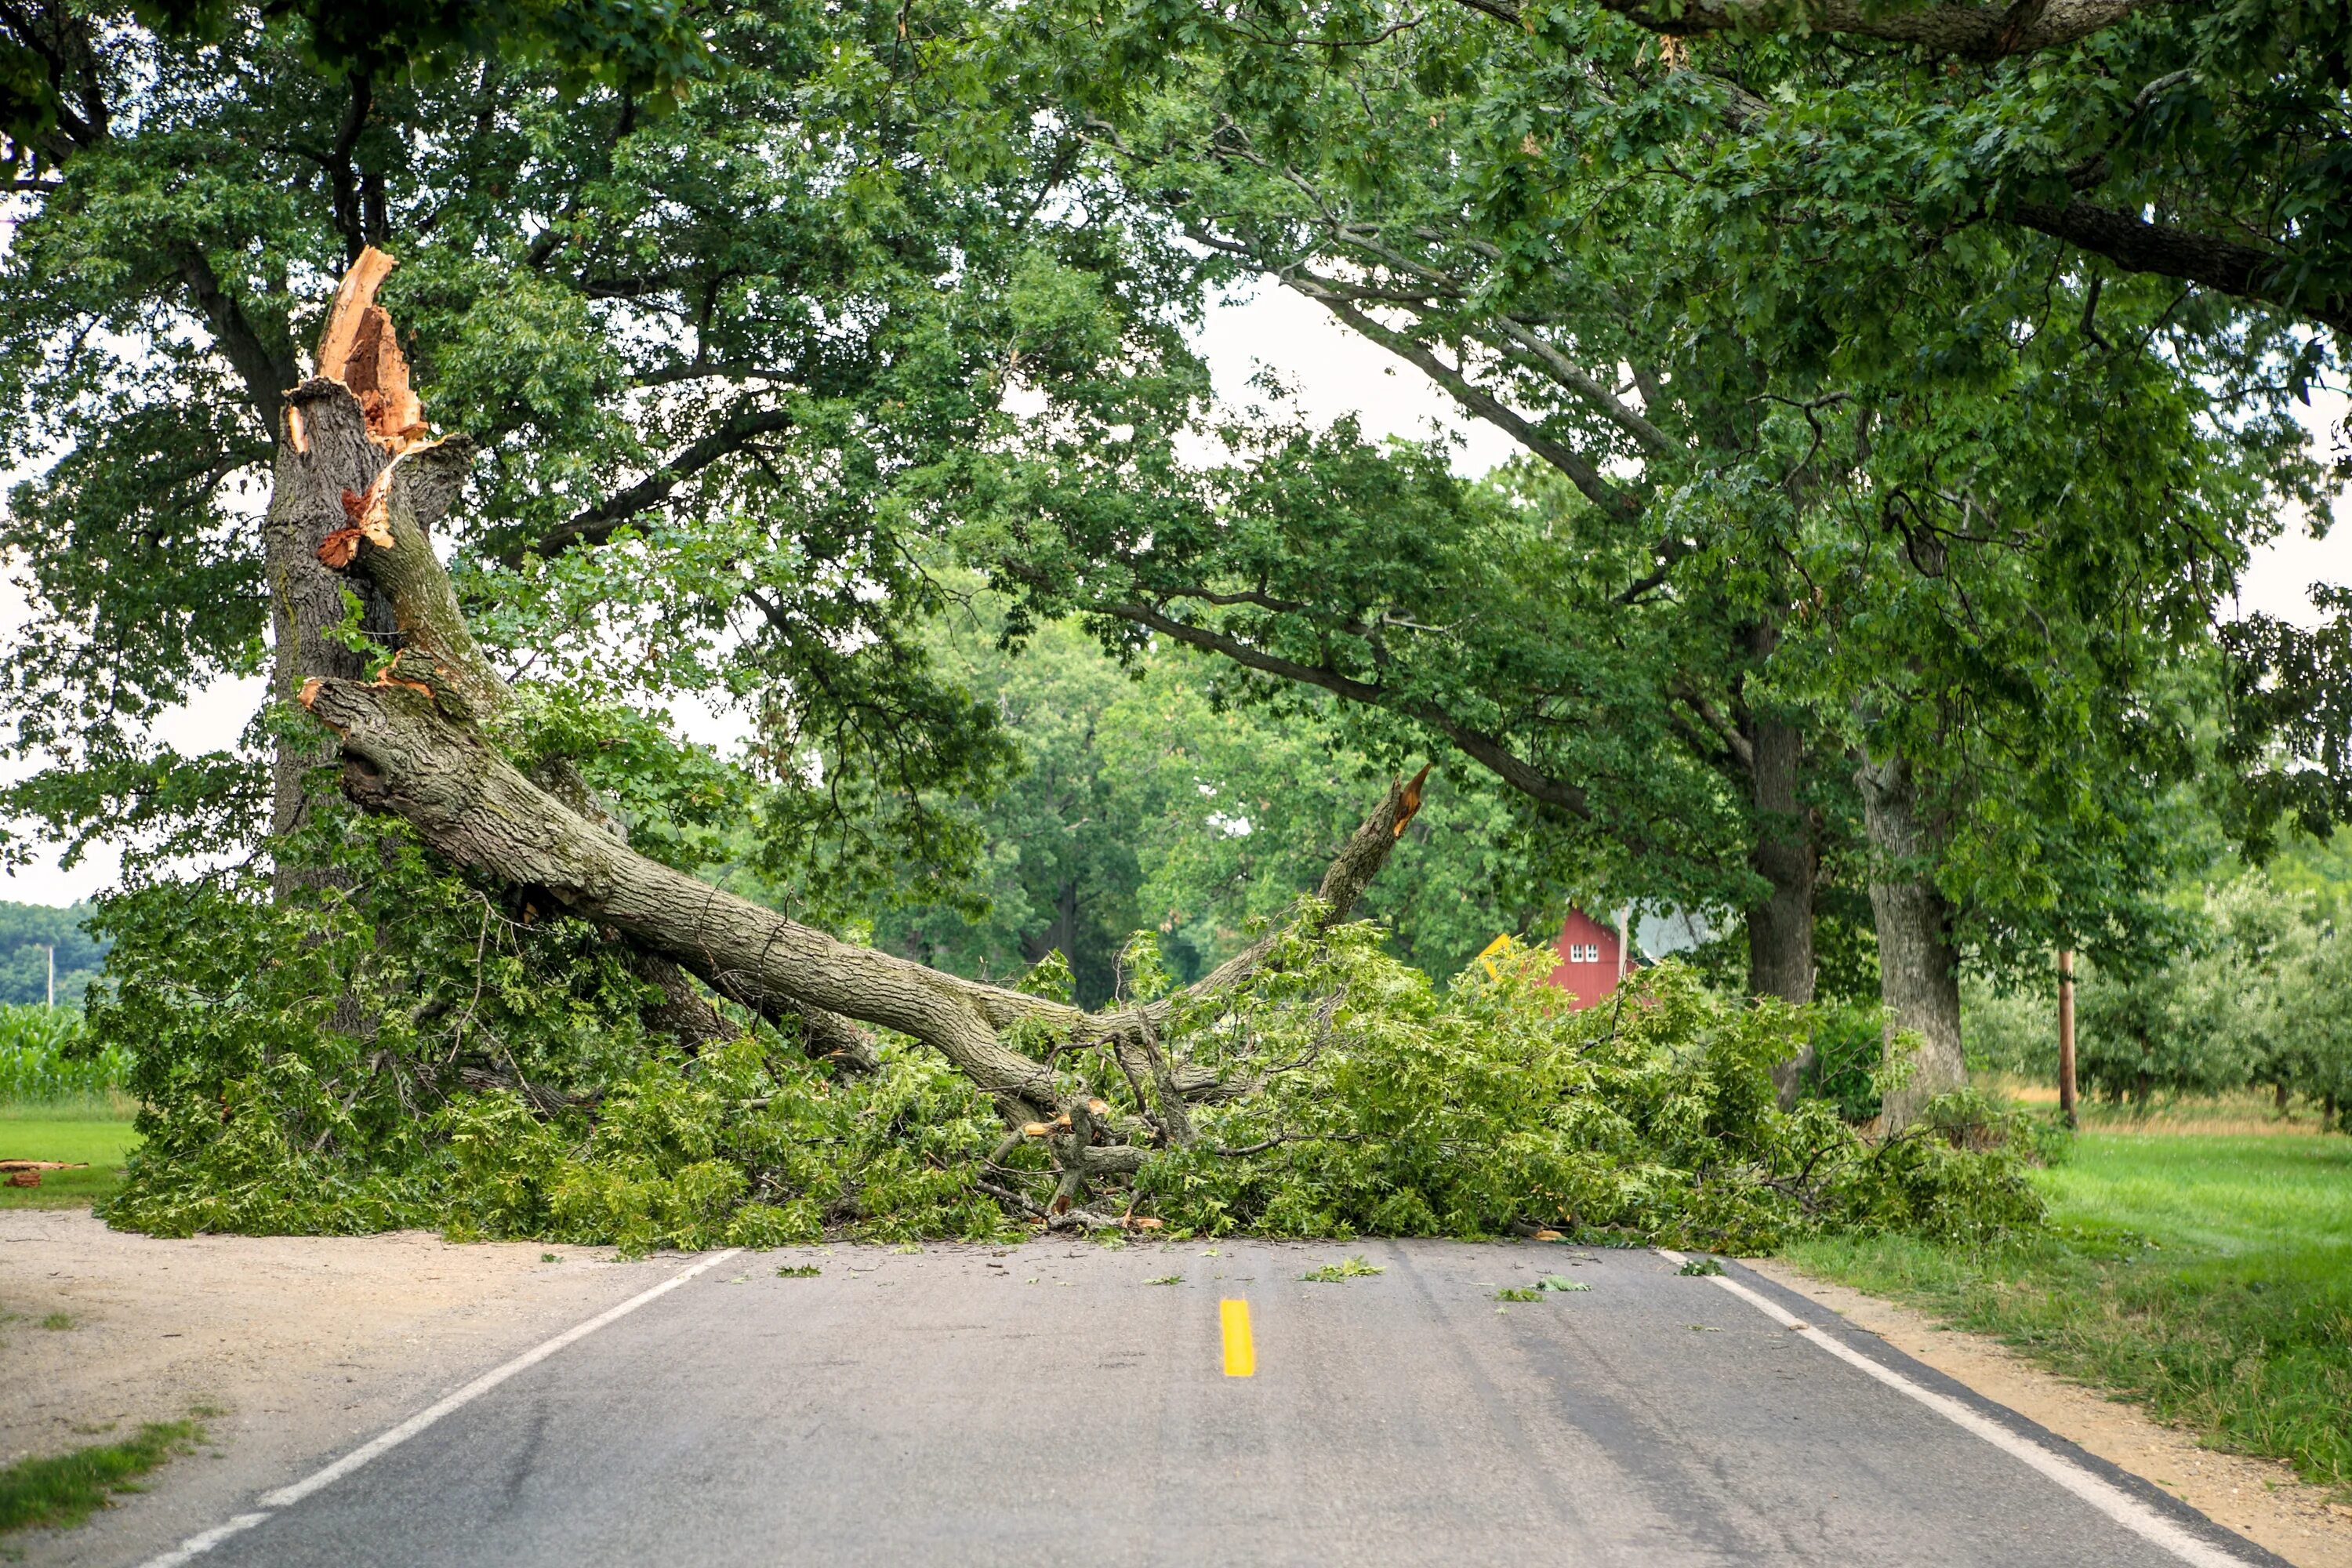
35	1068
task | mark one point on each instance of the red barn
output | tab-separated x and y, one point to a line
1592	959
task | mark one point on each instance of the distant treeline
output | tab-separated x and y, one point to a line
26	931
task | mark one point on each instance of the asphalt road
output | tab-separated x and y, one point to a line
1055	1406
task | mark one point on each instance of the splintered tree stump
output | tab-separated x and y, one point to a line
358	349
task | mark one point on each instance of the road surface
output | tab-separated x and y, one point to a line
1059	1404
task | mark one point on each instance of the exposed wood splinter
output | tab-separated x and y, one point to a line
1411	802
336	551
359	349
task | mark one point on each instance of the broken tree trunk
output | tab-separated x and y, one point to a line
356	465
412	747
405	754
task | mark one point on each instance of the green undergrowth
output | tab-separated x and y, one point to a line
2208	1276
63	1490
1371	1102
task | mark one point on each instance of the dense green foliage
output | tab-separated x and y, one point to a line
482	1101
26	932
2209	1277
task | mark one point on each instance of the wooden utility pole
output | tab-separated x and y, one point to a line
2066	1035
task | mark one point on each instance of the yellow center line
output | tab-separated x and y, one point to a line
1241	1350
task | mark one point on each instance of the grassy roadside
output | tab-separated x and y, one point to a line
2207	1276
97	1131
65	1489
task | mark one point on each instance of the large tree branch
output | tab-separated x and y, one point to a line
1560	368
267	371
598	523
1580	471
1487	751
2133	243
404	756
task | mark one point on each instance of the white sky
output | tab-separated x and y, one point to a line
1332	371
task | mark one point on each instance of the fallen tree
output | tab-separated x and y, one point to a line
413	745
586	1089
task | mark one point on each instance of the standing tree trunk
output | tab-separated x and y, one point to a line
356	465
1918	967
318	463
1770	751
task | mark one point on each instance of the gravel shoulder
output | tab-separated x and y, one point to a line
302	1346
2263	1499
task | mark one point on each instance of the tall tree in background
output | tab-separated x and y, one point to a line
1146	801
1815	458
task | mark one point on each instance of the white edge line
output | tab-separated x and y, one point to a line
197	1544
2100	1493
287	1497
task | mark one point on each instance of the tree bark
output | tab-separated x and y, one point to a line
354	469
319	461
1919	966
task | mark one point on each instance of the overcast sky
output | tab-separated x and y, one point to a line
1334	372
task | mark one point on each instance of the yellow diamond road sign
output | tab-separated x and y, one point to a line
1501	947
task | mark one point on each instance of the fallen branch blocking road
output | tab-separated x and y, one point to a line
412	747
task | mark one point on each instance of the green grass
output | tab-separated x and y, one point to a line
44	1133
65	1489
2207	1276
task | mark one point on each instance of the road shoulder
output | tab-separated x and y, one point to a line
2261	1498
288	1348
